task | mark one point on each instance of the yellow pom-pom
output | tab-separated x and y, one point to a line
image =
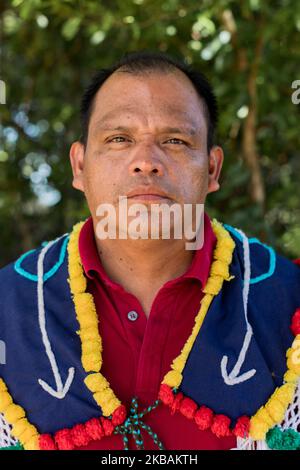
85	302
3	387
285	394
96	382
107	401
213	285
173	378
217	227
91	347
110	407
77	227
275	409
227	246
91	363
205	303
258	429
74	256
104	396
85	311
296	342
5	401
290	376
32	443
263	416
223	255
13	413
78	284
75	270
28	433
179	363
86	321
19	427
219	268
292	363
89	334
294	351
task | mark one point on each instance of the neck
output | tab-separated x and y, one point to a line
142	267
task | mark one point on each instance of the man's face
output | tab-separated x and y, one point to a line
146	130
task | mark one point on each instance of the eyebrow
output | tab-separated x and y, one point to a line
105	123
165	130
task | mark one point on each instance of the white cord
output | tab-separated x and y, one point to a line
233	378
61	390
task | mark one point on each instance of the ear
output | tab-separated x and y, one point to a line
216	157
77	163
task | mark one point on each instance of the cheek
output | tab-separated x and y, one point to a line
196	182
100	182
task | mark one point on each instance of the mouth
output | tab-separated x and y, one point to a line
148	194
148	197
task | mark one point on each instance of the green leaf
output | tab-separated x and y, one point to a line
70	28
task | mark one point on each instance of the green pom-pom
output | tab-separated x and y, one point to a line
18	446
283	440
291	439
274	438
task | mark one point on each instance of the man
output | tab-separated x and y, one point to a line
126	342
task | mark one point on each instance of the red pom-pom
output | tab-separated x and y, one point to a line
63	439
107	426
46	442
177	402
188	408
166	394
220	426
295	326
80	435
297	261
241	429
94	429
119	415
204	418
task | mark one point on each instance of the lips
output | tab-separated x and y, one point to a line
147	194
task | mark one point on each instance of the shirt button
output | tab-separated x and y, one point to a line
132	315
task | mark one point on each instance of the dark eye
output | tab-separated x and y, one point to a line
119	137
176	141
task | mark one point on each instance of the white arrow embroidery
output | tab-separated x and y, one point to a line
233	377
61	390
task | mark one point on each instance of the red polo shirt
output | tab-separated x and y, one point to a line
138	352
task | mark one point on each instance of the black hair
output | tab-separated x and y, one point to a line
147	61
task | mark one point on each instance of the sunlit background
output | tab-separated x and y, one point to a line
249	50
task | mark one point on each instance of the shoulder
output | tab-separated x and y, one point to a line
270	286
265	262
22	274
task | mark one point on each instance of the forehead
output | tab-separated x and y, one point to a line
154	96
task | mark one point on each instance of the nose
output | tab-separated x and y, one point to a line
147	160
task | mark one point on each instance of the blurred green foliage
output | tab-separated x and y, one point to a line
249	50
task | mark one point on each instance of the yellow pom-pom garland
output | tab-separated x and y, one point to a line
273	411
266	417
219	272
91	344
14	414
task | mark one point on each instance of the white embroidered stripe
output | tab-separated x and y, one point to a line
233	377
61	390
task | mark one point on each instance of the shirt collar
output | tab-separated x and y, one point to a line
198	269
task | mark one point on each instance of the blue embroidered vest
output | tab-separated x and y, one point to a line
274	295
